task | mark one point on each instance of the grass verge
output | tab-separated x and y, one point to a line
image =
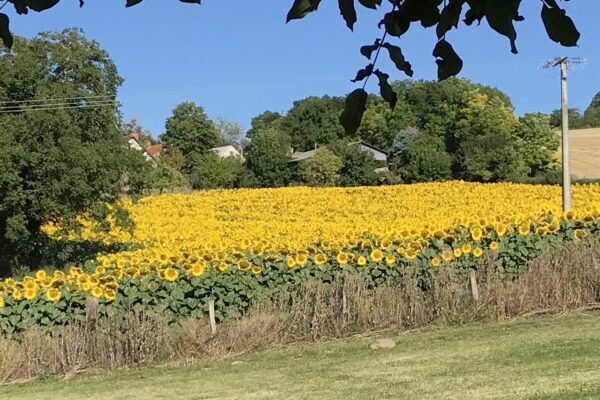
549	358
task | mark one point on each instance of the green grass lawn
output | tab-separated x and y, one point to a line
543	358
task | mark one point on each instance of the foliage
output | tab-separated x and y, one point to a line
231	132
209	171
422	159
381	124
267	119
173	158
591	117
54	164
313	121
444	16
358	166
179	283
537	143
268	157
191	131
322	169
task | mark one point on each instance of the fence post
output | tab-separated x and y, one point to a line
474	287
91	313
211	316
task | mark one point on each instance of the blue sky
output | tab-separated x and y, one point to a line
238	58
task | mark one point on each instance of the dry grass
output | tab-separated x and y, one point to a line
559	281
584	147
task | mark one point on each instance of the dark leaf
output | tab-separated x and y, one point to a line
41	5
449	17
191	1
395	23
368	50
348	12
449	63
426	11
386	90
5	34
559	26
21	8
475	12
500	16
370	3
398	59
356	104
301	8
363	73
131	3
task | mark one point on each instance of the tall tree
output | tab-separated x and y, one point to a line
591	117
267	119
313	121
381	124
268	157
57	160
191	131
231	132
537	143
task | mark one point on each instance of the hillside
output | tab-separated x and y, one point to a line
585	153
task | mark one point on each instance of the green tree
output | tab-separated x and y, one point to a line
417	157
172	157
268	156
313	121
591	117
358	166
576	120
191	131
209	171
381	124
537	143
322	169
56	162
267	119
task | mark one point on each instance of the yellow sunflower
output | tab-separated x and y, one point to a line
390	259
97	292
53	295
478	252
320	259
290	261
476	234
301	259
361	260
171	274
494	245
436	262
30	294
342	258
376	255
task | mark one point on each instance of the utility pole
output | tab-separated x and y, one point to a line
566	170
563	62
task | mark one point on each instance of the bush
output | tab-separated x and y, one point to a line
322	169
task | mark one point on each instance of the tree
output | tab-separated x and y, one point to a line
267	119
173	158
358	166
381	124
56	161
591	117
313	122
537	143
231	132
268	156
191	131
576	120
209	171
322	169
418	157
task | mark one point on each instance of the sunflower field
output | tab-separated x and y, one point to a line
236	246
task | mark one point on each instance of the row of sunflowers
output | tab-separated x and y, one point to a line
235	247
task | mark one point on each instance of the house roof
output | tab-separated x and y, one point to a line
135	136
154	149
225	150
303	155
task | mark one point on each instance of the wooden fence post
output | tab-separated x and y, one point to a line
211	316
91	313
474	287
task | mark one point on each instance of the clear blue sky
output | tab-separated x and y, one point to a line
238	58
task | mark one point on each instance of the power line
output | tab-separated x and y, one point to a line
34	106
50	100
98	104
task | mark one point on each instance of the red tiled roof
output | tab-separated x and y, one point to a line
135	136
154	149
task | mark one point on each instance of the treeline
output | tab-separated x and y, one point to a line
453	129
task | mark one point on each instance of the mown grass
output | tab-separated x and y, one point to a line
549	358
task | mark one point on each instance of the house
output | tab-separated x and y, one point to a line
227	151
155	150
378	154
150	153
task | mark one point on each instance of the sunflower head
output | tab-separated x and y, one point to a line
170	274
53	295
478	252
